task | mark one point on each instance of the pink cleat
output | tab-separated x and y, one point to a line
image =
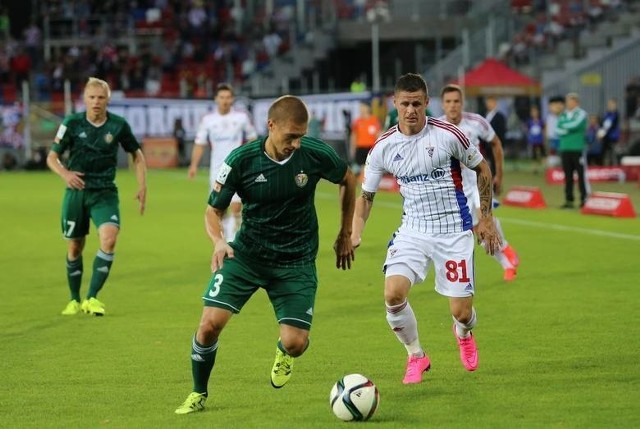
512	256
509	274
468	351
415	367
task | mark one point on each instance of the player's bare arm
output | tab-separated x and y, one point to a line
73	179
363	209
141	177
343	246
196	156
213	224
498	157
486	230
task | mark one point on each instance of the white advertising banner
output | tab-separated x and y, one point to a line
155	117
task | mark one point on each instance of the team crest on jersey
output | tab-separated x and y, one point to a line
430	151
108	138
301	180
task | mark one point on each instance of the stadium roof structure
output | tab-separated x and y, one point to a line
493	77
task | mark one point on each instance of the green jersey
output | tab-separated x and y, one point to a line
279	222
94	150
572	128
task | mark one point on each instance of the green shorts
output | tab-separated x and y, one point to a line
79	207
292	290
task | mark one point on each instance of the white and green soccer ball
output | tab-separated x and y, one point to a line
354	397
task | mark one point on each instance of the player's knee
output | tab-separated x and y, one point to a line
295	346
209	330
108	243
394	297
462	315
75	248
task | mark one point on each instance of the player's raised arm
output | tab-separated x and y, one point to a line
343	246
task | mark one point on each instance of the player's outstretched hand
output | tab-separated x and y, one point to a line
488	235
221	250
344	252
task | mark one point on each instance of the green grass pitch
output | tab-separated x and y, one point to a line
558	347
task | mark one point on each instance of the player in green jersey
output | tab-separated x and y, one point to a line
92	139
276	246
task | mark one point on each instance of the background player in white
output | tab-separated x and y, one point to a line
224	129
477	128
425	156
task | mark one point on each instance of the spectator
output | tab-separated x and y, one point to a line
555	108
594	143
572	127
609	133
180	134
632	95
358	85
535	138
364	131
499	124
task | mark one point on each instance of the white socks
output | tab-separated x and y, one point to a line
463	329
403	322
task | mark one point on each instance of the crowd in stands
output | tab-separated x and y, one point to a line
196	44
547	22
181	49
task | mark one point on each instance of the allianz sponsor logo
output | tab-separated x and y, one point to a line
436	174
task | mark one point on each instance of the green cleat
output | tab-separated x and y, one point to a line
93	306
281	371
194	402
72	308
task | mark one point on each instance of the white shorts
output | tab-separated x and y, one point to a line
451	254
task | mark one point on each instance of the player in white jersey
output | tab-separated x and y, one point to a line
426	156
477	128
224	129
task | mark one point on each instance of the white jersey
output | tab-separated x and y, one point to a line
427	167
224	133
476	128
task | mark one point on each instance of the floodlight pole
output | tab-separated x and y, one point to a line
375	56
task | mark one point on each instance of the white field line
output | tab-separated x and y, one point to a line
543	225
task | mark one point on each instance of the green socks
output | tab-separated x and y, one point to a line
101	267
74	277
202	360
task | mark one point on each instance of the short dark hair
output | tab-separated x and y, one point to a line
451	88
224	87
411	82
288	108
556	99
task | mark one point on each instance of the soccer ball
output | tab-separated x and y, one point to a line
354	397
